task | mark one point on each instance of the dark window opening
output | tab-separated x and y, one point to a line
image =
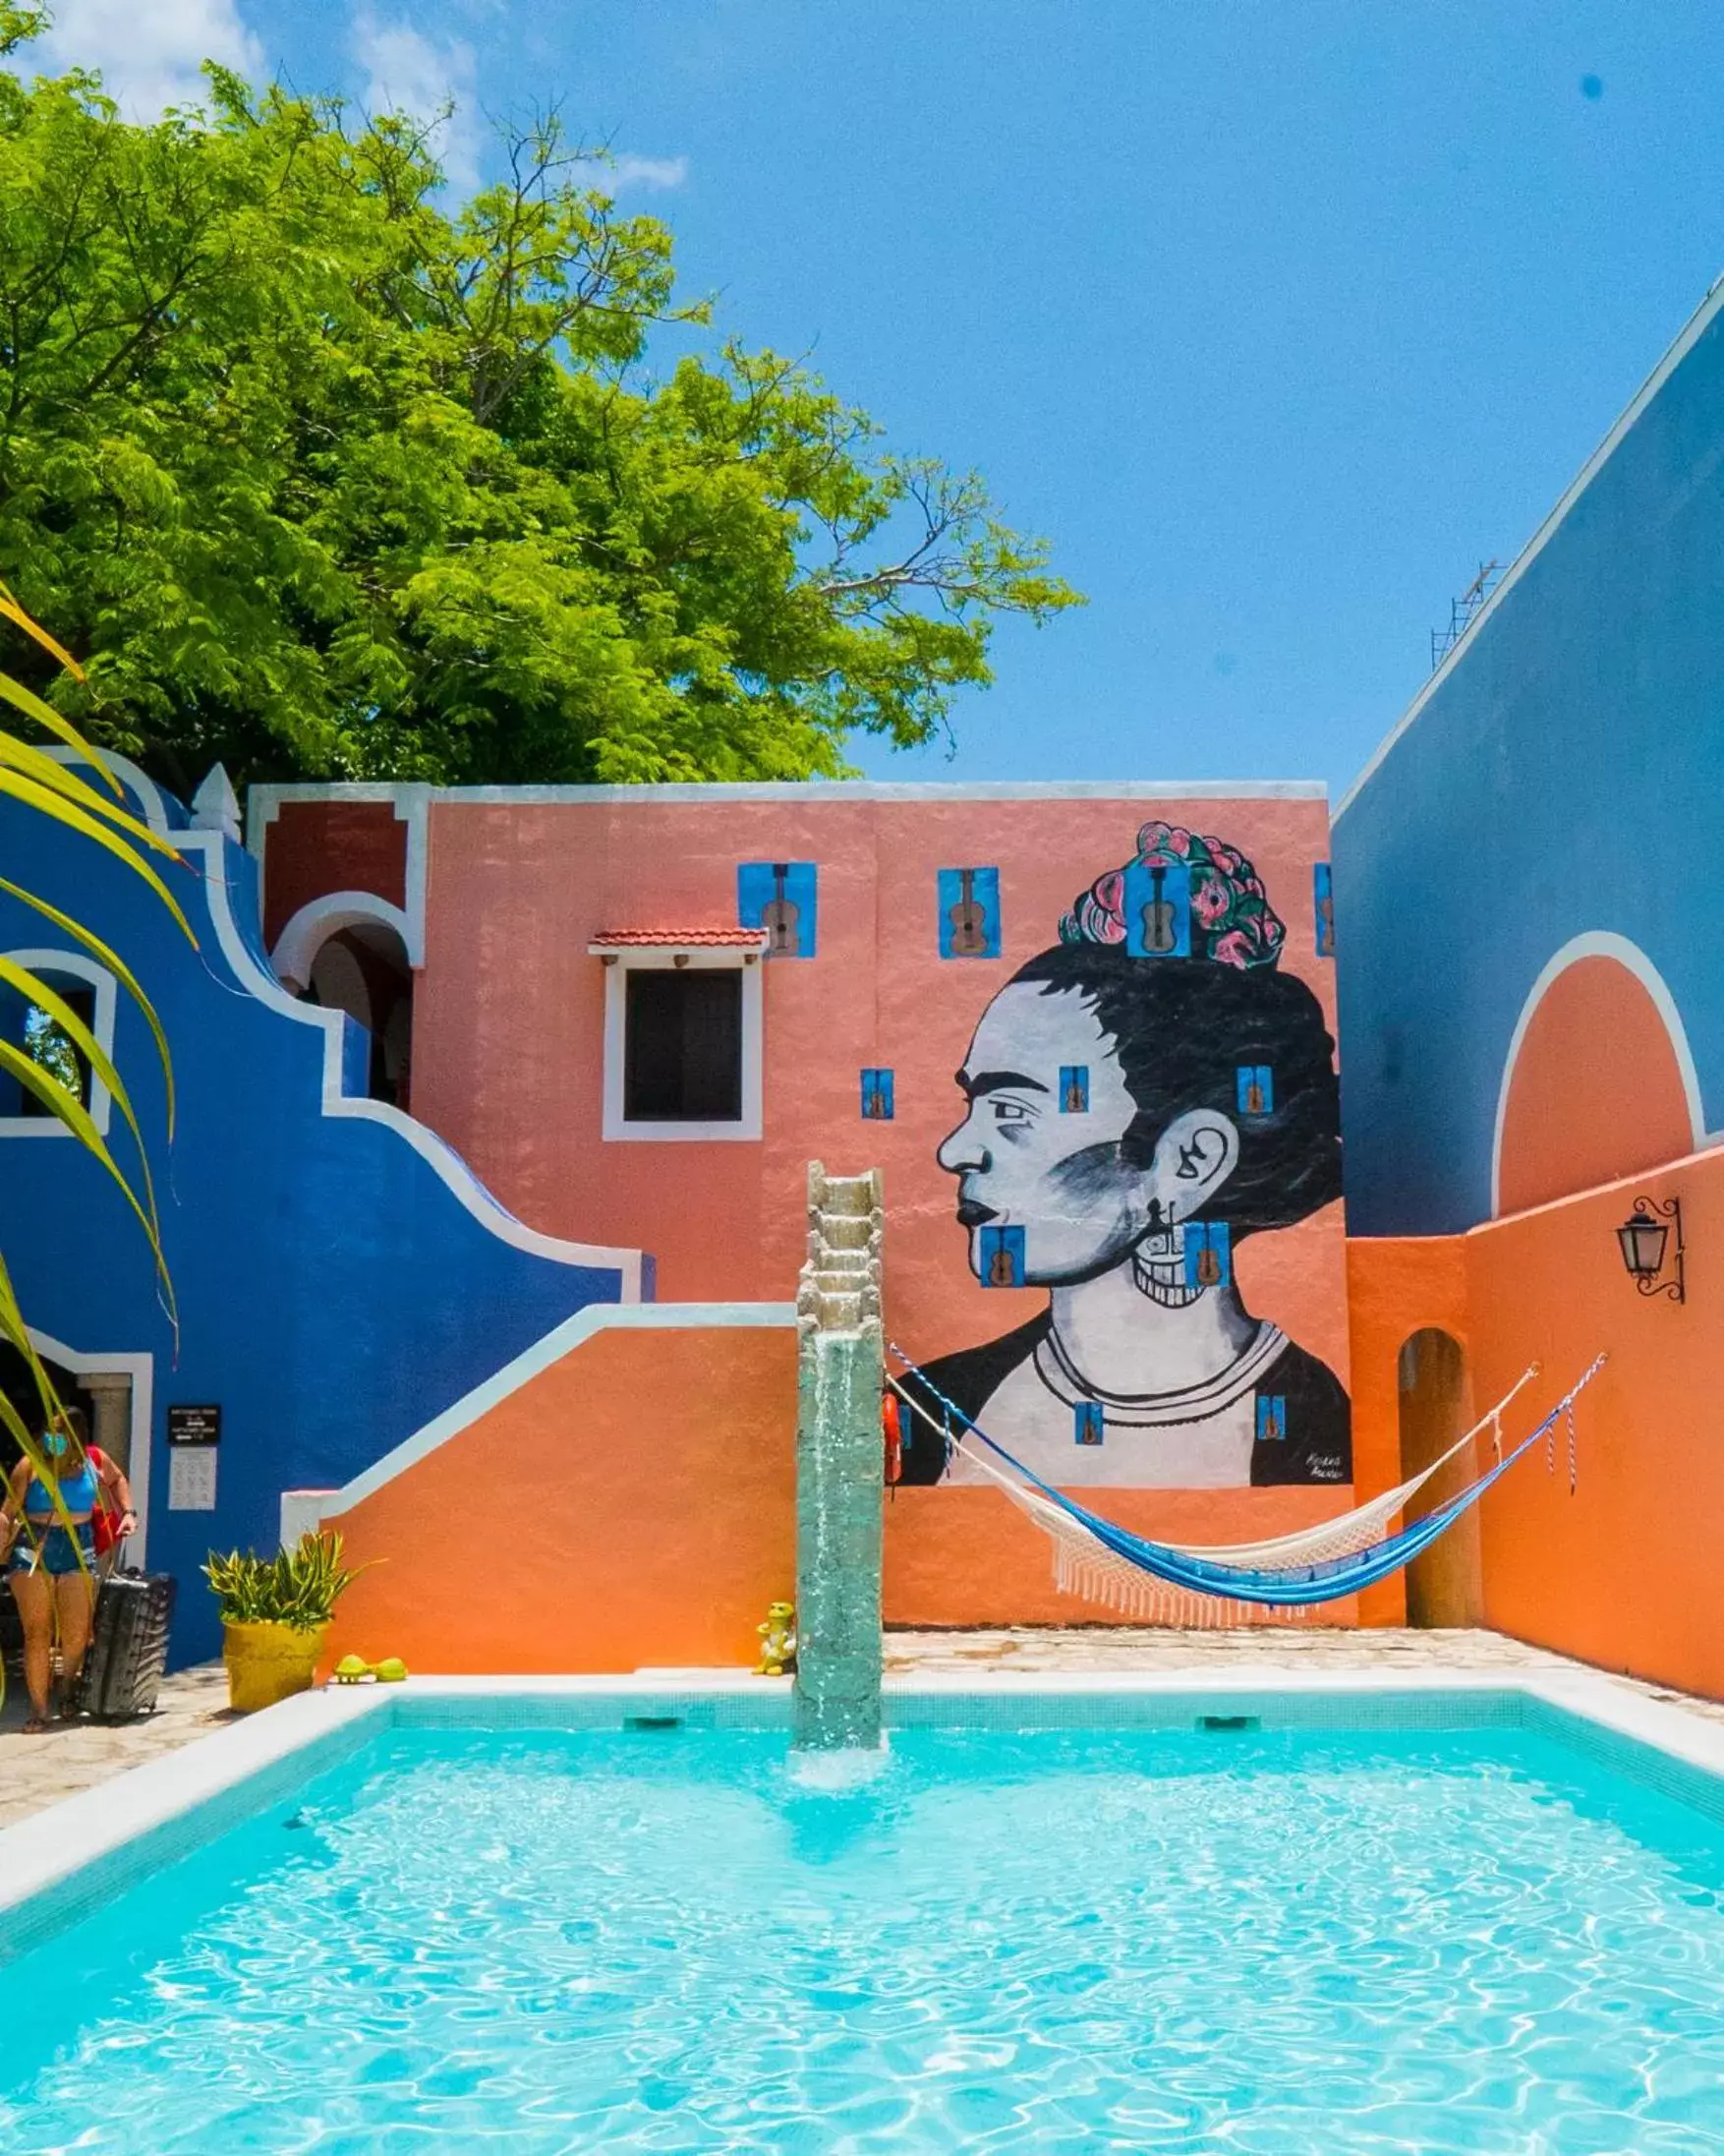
682	1052
364	971
50	1047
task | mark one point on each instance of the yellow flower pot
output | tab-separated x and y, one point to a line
266	1662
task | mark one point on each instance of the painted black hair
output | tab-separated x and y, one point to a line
1182	1028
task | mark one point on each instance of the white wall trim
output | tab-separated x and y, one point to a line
266	801
662	959
448	1164
1600	943
297	947
141	1369
551	1348
410	802
150	808
1696	325
87	970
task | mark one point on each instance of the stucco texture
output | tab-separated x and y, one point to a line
634	1504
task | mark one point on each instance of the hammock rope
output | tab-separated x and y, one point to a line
1337	1538
1099	1558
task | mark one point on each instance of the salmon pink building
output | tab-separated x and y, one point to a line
1087	1034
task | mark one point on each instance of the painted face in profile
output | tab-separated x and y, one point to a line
1024	1159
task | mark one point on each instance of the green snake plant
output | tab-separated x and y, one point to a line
296	1587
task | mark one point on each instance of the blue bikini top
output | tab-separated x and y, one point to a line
76	1495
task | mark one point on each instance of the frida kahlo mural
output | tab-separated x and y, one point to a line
1141	1097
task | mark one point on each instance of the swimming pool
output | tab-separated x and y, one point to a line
1252	1922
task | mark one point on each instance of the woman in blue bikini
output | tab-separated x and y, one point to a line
52	1565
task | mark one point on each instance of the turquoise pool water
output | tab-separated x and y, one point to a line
656	1939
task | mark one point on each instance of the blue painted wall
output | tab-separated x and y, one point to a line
1567	775
334	1292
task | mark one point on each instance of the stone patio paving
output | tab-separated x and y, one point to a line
35	1772
76	1755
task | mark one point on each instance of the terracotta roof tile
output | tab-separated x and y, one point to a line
631	939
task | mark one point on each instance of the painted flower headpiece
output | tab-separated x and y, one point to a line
1231	920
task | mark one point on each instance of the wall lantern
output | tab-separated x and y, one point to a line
1643	1237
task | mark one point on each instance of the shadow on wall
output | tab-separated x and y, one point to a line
1444	1586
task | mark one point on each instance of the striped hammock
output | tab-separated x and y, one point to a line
1157	1581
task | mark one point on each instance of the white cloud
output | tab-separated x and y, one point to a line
149	51
616	175
408	72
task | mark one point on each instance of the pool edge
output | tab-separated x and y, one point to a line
70	1856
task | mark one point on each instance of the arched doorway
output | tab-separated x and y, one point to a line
351	955
1444	1583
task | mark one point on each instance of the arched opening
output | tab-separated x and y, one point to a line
361	969
1444	1583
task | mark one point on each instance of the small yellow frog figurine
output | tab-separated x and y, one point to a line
778	1652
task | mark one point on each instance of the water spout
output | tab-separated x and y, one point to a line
840	1370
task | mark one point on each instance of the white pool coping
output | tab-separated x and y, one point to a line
90	1832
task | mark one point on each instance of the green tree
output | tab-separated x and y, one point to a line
324	479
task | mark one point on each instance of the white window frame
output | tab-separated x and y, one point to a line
662	959
85	972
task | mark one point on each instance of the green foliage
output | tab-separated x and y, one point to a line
296	1587
326	480
50	1047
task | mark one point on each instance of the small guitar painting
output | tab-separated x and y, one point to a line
779	915
1160	920
1156	906
968	920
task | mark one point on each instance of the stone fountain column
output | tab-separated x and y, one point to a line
839	1480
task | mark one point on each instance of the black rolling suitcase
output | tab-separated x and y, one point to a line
129	1647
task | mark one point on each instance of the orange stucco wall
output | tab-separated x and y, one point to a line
661	1470
967	1557
1596	1090
633	1504
1395	1287
1622	1571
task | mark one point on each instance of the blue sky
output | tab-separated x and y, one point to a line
1276	316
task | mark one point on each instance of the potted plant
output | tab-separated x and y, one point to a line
276	1614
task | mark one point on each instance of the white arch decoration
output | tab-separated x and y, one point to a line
633	1267
442	1159
147	800
298	945
1600	943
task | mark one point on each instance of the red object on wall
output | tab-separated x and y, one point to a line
314	848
